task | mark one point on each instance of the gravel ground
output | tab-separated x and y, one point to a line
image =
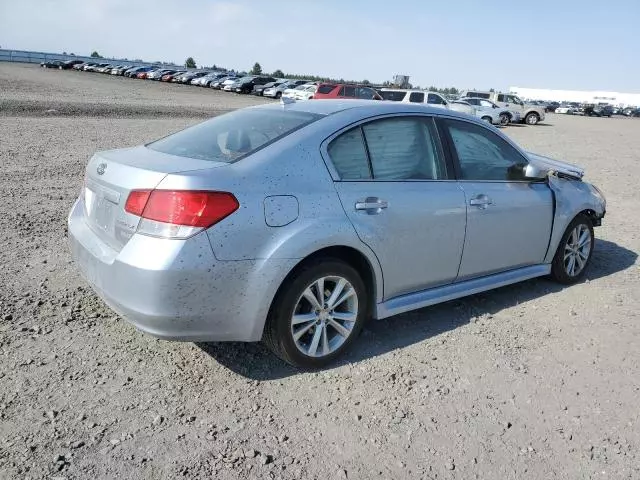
531	381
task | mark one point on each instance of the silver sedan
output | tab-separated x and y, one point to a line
296	223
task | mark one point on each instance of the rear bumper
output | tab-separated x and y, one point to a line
177	289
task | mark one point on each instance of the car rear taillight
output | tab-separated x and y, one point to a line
179	213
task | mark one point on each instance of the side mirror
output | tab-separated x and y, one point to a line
535	173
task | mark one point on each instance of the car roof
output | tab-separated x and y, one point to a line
368	107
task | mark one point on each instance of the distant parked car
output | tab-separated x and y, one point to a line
95	68
258	90
280	87
133	71
206	80
158	73
69	64
306	92
119	69
52	64
492	112
221	233
293	92
591	110
344	91
530	114
246	84
551	107
168	77
220	82
565	109
190	75
431	99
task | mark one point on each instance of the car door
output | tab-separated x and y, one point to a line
397	191
509	218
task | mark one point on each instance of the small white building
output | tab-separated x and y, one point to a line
612	98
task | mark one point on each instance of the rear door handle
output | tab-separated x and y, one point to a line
371	205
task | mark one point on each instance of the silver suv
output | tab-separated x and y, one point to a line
530	114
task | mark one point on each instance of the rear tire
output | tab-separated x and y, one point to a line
278	95
487	119
309	333
574	251
532	118
505	119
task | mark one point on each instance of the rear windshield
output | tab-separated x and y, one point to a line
393	96
326	88
229	137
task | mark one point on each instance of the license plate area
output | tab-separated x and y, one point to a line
101	207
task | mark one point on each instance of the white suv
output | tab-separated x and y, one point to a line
433	99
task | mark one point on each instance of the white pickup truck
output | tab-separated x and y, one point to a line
530	114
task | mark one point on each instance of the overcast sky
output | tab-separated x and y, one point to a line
563	44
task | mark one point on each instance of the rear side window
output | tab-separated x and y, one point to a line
416	97
347	92
404	149
232	136
324	89
393	96
478	95
502	98
401	148
349	156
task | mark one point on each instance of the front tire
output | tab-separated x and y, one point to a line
317	314
504	119
487	119
574	251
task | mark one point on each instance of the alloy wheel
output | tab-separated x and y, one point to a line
577	250
324	316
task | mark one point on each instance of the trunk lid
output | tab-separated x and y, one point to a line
111	175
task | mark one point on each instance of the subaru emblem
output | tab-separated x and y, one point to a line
101	168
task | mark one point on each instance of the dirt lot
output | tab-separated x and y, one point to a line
532	381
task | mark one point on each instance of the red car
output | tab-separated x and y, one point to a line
142	75
169	76
338	90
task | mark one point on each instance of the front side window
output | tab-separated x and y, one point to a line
365	93
416	97
434	99
514	99
483	155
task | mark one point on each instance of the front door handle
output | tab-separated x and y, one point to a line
481	201
371	205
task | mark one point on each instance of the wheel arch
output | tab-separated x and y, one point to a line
571	199
368	268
